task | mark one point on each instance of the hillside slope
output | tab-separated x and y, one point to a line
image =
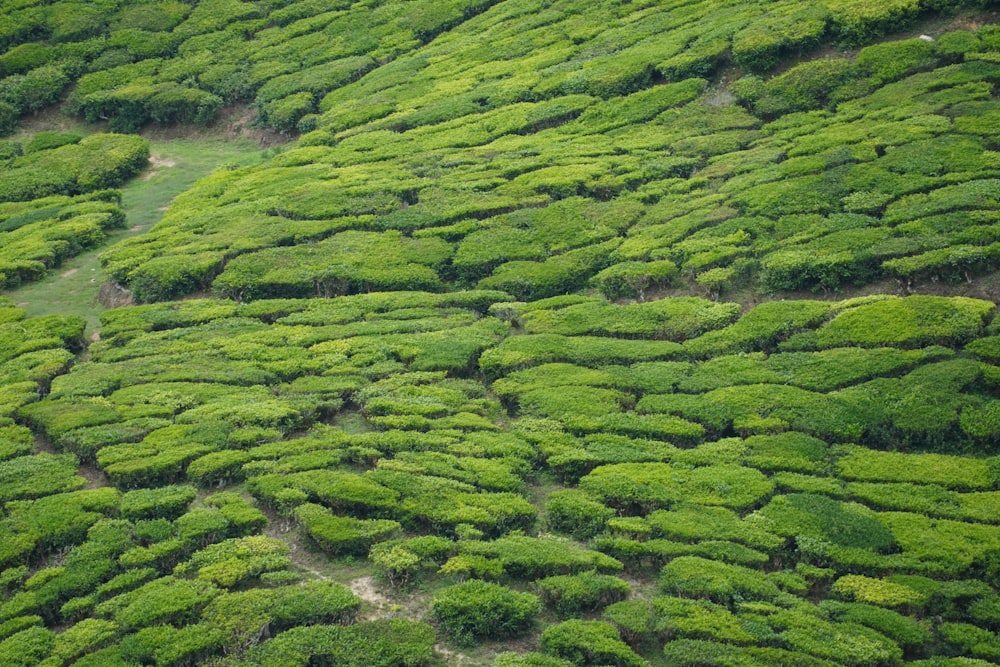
411	391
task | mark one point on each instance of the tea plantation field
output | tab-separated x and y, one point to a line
556	334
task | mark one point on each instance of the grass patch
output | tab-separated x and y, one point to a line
175	165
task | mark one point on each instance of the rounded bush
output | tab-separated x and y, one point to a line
478	609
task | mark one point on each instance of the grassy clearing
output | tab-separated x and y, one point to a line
174	166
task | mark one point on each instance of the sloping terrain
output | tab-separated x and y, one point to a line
649	333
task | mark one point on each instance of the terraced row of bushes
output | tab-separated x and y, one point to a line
678	453
151	575
169	62
55	199
147	578
894	178
674	480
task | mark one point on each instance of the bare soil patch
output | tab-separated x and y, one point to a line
113	295
43	445
157	163
95	477
366	589
237	121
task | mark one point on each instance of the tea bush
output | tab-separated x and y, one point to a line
337	535
569	595
589	643
477	609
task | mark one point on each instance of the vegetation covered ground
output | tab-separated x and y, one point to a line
557	333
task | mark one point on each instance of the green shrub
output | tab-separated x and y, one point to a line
633	618
42	141
535	557
804	87
761	328
698	619
512	659
27	647
691	522
890	61
904	630
875	591
164	600
236	561
637	488
8	118
576	513
343	535
53	522
38	475
343	491
165	644
166	502
589	643
333	267
956	472
691	576
34	90
517	352
674	319
557	275
845	643
479	609
823	524
15	441
632	279
382	643
569	595
25	57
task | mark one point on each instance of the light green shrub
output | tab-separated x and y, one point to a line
477	609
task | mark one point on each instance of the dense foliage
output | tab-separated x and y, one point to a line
427	349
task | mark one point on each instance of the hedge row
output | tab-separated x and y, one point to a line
285	393
549	195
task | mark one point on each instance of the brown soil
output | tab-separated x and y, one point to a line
67	274
113	295
367	589
237	121
157	163
95	477
44	446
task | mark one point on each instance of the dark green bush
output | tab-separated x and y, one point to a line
822	524
804	87
34	90
8	119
